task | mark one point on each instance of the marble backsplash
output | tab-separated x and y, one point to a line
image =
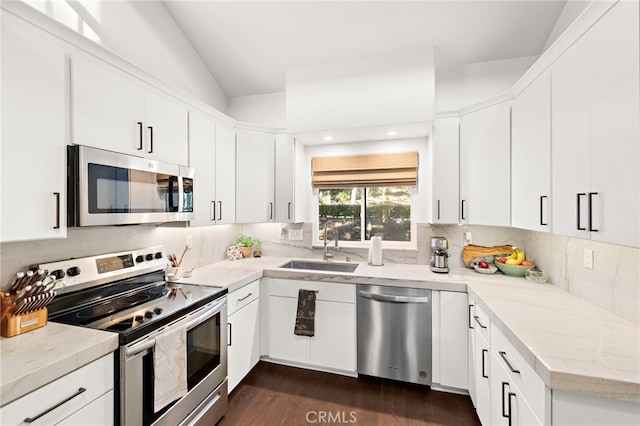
613	284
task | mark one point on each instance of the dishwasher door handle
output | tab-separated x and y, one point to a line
393	298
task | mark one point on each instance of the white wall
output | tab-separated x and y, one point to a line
464	86
371	91
143	33
267	110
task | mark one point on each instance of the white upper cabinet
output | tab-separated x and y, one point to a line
531	156
284	178
255	176
225	208
202	157
595	132
115	111
485	158
34	157
445	170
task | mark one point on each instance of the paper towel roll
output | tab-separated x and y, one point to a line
376	251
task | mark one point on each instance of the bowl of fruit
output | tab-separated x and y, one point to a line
514	265
485	267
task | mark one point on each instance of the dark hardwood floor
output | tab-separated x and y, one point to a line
273	394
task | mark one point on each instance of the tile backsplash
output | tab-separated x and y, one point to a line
613	284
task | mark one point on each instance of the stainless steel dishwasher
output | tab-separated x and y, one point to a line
394	333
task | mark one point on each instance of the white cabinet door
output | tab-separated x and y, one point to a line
471	374
284	170
107	107
166	128
255	178
225	208
334	343
202	156
485	172
244	350
34	156
614	90
445	171
453	339
483	379
283	344
531	156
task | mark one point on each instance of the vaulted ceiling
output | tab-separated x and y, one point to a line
248	45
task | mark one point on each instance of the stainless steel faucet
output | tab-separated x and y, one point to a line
327	254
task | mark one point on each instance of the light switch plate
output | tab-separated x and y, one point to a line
588	258
296	234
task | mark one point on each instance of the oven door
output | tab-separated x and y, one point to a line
206	371
107	188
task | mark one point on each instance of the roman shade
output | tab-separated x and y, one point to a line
365	170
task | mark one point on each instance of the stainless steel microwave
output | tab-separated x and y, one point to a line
108	188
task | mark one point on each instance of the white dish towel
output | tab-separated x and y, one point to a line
170	366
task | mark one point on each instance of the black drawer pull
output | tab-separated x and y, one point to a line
469	317
483	373
245	298
477	318
504	357
50	409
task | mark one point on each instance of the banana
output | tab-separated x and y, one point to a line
513	254
519	256
511	262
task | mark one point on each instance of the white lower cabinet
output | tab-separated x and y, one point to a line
449	343
243	351
84	396
333	347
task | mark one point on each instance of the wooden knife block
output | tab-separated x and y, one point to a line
13	325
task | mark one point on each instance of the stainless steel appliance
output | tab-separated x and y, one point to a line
394	333
126	293
107	188
439	255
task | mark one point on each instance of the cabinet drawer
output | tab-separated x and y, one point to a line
480	322
243	296
330	292
96	378
531	386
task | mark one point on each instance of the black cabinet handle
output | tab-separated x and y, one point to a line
270	211
246	297
150	139
578	209
438	209
505	415
503	354
140	137
542	197
511	394
590	210
289	211
462	213
50	409
212	210
219	210
469	318
57	195
483	373
229	330
477	318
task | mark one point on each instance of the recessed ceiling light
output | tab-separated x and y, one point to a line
328	138
392	133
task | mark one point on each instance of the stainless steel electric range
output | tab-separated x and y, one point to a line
126	293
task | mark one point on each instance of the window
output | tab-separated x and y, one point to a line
361	213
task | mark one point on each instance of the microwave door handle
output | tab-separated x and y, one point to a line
206	314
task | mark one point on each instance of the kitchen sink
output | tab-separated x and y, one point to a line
320	266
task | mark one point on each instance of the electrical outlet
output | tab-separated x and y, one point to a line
189	241
588	258
296	234
467	237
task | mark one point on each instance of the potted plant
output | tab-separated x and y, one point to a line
246	244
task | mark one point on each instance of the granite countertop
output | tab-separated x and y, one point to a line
572	344
33	359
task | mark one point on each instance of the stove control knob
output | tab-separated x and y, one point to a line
149	256
159	255
148	314
139	318
59	274
73	271
157	311
140	259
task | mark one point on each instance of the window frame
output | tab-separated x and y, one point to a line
364	244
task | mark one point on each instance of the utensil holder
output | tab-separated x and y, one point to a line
13	325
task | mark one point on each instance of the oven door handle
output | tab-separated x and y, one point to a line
140	347
206	314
